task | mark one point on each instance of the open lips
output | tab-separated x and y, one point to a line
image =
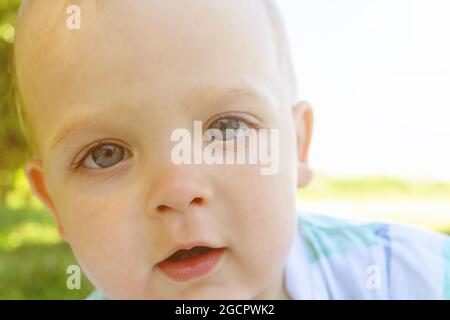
185	254
186	264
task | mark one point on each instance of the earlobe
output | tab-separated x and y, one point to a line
35	175
304	175
303	119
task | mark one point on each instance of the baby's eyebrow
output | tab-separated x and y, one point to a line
207	95
70	128
211	95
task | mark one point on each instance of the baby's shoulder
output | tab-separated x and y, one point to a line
361	259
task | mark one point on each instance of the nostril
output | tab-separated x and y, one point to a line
161	208
197	201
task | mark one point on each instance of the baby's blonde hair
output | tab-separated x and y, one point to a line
284	52
279	34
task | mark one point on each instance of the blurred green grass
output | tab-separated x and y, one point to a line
424	204
33	259
323	187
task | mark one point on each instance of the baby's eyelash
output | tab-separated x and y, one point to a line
252	123
77	163
79	160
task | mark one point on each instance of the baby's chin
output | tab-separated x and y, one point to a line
213	293
203	291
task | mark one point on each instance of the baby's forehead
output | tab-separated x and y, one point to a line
50	17
149	40
127	27
47	12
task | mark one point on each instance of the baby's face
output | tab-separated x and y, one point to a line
103	103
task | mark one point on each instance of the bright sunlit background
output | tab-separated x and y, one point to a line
378	76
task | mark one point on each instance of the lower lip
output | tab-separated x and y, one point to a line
184	270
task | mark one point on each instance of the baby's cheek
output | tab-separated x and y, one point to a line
263	224
104	236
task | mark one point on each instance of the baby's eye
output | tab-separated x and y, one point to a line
230	128
104	156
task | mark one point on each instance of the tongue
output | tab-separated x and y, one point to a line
186	254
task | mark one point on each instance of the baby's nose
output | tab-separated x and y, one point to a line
181	189
178	204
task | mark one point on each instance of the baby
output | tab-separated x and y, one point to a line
102	87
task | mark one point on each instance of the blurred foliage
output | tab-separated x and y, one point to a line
33	259
12	142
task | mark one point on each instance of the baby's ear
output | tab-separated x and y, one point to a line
35	174
303	120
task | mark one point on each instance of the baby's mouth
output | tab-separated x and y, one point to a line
186	264
191	253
